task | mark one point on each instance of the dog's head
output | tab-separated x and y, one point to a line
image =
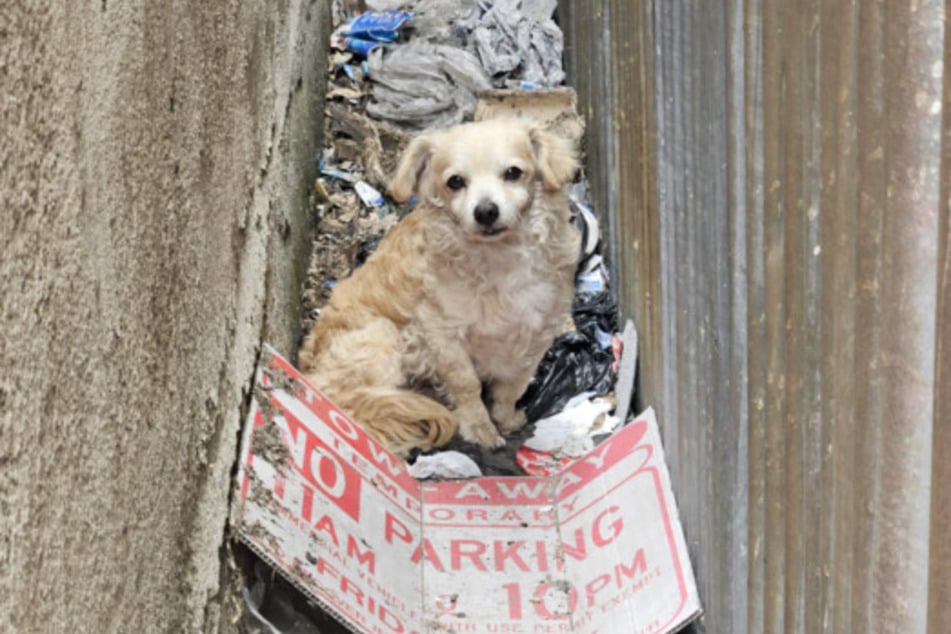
485	174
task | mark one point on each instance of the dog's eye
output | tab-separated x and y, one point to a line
456	182
512	174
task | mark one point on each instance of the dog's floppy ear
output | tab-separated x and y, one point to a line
555	158
413	163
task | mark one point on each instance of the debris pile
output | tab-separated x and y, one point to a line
404	66
397	67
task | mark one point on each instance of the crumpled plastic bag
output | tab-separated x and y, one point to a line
518	43
445	465
595	316
576	362
445	21
572	365
560	439
570	432
369	30
422	85
539	10
592	275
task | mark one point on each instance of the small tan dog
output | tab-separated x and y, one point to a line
468	291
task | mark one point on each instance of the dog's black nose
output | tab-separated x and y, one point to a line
486	213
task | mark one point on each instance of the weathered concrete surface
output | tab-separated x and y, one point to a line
153	184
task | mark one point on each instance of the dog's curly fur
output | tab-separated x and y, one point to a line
468	291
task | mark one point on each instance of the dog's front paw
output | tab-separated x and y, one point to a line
476	426
485	435
509	419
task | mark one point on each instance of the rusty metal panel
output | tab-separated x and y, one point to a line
772	176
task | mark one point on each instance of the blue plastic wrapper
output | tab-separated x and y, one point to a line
369	30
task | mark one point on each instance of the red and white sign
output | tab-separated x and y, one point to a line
596	548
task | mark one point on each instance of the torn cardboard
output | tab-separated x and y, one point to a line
557	108
595	549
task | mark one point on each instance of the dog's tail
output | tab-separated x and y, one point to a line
401	420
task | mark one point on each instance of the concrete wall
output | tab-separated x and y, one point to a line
154	161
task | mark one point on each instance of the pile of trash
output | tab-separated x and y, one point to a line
427	65
399	67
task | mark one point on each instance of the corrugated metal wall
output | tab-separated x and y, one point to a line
774	179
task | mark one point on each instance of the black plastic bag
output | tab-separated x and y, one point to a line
576	362
595	316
